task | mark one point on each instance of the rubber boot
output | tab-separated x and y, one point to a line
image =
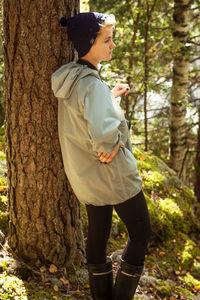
126	281
101	281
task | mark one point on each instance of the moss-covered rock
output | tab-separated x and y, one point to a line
171	204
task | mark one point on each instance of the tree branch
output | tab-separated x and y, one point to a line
191	61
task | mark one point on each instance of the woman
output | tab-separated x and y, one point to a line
97	156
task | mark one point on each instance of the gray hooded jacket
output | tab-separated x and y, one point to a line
88	123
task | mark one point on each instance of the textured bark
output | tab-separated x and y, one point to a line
45	222
180	84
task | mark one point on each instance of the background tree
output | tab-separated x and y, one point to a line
179	95
44	213
2	112
197	164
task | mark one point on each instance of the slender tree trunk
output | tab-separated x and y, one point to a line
197	165
180	84
91	6
44	213
2	111
146	75
146	66
130	79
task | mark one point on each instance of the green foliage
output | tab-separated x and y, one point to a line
3	202
2	140
4	222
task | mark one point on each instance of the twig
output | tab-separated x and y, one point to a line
23	263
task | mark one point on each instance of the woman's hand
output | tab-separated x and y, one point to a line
120	89
108	157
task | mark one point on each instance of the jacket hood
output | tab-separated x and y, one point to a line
66	77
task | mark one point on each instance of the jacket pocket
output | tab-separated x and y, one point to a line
128	163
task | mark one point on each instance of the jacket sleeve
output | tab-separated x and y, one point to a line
101	117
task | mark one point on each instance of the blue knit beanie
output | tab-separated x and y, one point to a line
82	30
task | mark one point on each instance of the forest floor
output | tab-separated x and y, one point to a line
172	267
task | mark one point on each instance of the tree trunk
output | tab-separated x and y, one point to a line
91	6
146	74
44	222
130	78
180	84
2	111
197	165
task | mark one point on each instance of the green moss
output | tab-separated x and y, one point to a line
144	165
184	251
196	268
4	221
164	288
189	253
186	294
187	194
153	179
3	203
2	155
171	208
191	281
167	288
173	217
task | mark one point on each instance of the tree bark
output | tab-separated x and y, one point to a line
178	99
149	11
146	73
130	79
44	222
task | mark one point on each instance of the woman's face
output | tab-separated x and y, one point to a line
102	48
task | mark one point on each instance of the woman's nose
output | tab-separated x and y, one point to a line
112	45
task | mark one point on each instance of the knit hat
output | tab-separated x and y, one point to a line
82	30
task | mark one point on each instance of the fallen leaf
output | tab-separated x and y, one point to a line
55	287
42	276
53	269
154	267
142	158
64	280
43	269
123	235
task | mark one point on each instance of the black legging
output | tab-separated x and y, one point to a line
134	214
